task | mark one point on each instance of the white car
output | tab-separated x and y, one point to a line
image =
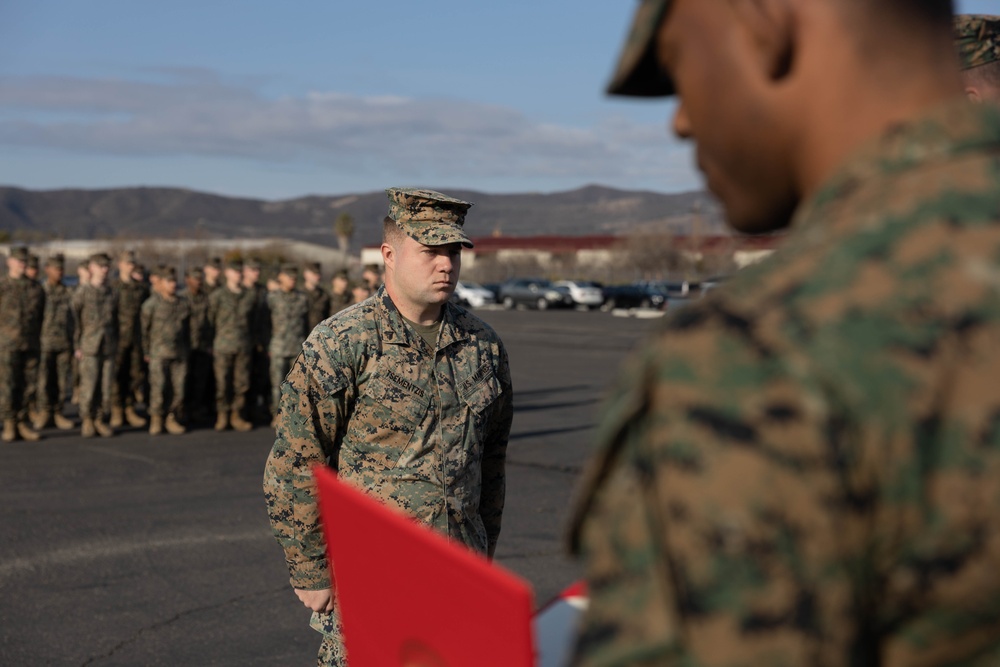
583	292
473	295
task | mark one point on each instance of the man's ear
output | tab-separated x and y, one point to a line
771	27
973	94
388	256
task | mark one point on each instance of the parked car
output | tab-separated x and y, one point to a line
583	292
634	295
473	295
533	293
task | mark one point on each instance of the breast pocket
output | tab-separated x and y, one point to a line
385	423
479	398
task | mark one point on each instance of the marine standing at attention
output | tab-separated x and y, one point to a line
803	468
406	395
289	309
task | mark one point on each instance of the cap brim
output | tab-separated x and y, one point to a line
439	237
637	73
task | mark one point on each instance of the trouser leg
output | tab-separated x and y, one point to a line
178	380
89	373
30	396
157	380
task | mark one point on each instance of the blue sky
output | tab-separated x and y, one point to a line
280	99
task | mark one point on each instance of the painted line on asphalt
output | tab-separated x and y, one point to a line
111	548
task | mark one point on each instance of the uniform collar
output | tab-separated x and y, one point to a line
946	133
396	331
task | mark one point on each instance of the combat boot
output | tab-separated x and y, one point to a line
40	420
155	424
87	428
62	423
174	427
117	417
134	418
239	423
103	429
9	430
222	422
26	432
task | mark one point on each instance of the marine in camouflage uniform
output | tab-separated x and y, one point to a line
259	395
95	312
340	291
200	393
22	306
414	413
230	310
33	331
130	368
977	38
319	299
55	368
165	320
289	308
803	468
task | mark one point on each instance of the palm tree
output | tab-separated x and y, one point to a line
343	229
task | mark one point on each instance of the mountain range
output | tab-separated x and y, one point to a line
149	212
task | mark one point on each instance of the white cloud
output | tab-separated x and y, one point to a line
195	114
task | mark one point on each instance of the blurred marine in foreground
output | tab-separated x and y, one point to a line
804	467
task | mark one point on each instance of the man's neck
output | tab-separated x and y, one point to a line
420	313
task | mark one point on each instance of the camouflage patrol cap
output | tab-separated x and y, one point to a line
196	272
58	260
100	258
638	74
252	263
128	256
977	38
314	267
341	273
164	272
33	261
20	253
429	217
235	263
289	269
215	263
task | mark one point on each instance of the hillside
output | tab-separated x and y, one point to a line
143	212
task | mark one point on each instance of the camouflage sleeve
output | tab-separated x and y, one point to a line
76	305
495	457
312	414
707	535
146	325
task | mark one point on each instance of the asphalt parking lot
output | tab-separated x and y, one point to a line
137	550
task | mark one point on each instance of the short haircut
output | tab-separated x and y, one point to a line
987	75
391	232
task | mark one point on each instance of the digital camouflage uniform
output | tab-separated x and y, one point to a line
95	312
259	394
804	467
22	307
130	372
339	302
319	306
424	430
289	322
200	393
57	348
229	314
166	341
